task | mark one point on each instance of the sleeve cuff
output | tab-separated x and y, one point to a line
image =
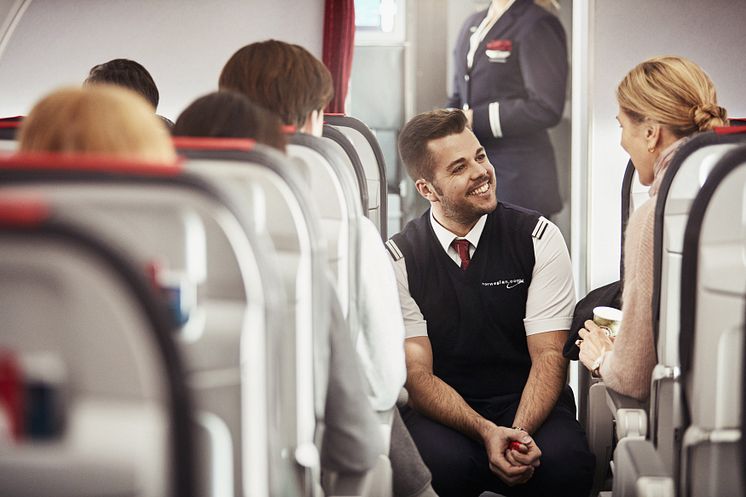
535	326
494	113
416	330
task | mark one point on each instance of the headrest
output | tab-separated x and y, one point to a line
87	163
22	212
208	143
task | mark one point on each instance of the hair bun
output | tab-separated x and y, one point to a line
707	116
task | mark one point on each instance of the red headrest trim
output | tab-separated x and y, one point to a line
96	163
22	212
205	143
10	124
289	129
730	130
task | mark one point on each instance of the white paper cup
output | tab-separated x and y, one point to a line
608	318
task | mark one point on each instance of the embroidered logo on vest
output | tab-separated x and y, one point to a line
507	283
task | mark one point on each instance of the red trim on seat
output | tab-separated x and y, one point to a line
22	212
10	124
89	162
730	130
289	129
208	143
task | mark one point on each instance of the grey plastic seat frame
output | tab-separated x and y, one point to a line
685	175
371	156
102	200
152	384
265	186
713	292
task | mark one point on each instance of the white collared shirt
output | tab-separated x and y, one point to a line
446	238
551	294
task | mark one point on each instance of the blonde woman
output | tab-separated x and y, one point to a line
662	102
99	119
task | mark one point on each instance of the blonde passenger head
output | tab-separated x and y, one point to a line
674	92
100	119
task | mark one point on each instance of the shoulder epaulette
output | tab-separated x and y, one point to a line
393	249
540	228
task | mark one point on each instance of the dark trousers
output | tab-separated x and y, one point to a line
459	465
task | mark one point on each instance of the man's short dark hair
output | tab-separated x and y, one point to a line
421	130
281	77
127	73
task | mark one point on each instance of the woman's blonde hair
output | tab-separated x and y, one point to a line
673	91
99	119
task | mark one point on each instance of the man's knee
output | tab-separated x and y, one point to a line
566	463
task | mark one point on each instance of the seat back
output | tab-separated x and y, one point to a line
333	189
713	291
103	377
371	157
683	178
221	286
271	199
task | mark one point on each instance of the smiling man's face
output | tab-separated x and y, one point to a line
463	181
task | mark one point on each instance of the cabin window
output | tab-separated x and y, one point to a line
379	21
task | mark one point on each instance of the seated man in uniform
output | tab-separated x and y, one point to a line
487	296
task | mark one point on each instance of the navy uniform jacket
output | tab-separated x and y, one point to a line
529	82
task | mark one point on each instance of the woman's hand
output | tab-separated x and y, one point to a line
593	343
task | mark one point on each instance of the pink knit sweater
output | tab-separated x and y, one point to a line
628	367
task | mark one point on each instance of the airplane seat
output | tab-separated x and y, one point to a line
272	200
353	162
683	178
371	156
334	191
8	131
713	290
89	345
227	318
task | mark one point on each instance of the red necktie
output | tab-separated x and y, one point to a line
462	247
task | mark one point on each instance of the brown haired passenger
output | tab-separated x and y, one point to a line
99	120
662	103
227	114
295	85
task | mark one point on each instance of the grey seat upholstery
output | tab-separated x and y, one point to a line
180	222
371	157
712	300
84	323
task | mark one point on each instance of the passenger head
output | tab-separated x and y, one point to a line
127	73
449	167
227	114
661	100
283	78
103	119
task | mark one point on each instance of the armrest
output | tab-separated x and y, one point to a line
639	471
630	414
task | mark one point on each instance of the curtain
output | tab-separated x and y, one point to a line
339	43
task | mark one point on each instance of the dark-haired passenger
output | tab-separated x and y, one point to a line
128	74
227	114
295	85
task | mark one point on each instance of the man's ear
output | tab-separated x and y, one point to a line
426	189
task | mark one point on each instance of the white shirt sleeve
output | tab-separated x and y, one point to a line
414	322
380	343
551	295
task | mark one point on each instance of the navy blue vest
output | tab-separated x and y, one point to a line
475	317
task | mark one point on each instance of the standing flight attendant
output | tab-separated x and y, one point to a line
510	77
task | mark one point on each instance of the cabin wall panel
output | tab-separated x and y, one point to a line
623	34
183	43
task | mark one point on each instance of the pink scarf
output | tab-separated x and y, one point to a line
662	162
